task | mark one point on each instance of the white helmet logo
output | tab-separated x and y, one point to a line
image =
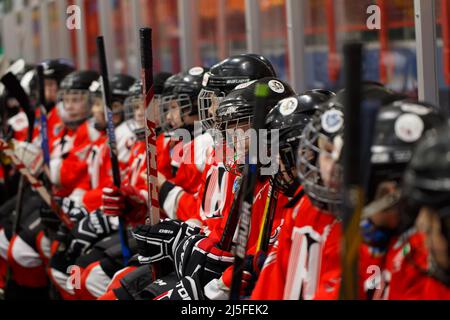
332	121
288	106
276	86
196	71
409	128
244	85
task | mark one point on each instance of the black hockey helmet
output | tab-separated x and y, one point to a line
427	177
159	81
398	128
290	118
223	77
120	86
235	113
79	80
184	88
57	69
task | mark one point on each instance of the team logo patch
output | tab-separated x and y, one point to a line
288	106
196	71
244	85
409	128
332	121
276	86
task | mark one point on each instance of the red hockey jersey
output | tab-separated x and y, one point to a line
305	262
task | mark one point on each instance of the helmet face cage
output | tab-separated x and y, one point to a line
208	102
232	141
181	101
131	106
285	179
308	168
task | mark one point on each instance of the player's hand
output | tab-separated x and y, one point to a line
127	202
158	242
199	256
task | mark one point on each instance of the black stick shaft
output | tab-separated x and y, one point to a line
126	252
246	202
353	184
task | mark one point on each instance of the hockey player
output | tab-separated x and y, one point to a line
29	250
426	184
104	258
54	73
389	242
289	117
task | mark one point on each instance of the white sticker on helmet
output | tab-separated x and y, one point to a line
288	106
244	85
196	71
409	127
414	108
276	86
206	79
332	121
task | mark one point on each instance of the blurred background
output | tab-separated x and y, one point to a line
303	38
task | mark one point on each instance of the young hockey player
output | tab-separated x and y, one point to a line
389	241
426	184
54	72
29	250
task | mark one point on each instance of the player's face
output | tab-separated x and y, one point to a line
174	115
328	157
429	223
51	90
75	104
139	113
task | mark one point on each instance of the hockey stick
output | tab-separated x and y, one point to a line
353	181
268	218
126	252
35	183
150	122
43	124
226	241
15	89
248	189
